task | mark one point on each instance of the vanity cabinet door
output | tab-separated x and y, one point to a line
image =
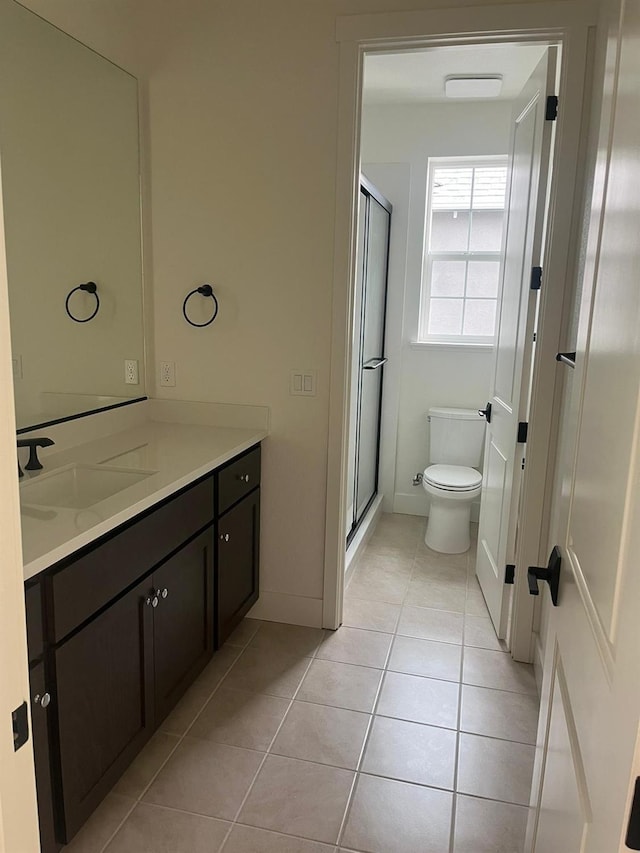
104	701
40	711
183	620
237	564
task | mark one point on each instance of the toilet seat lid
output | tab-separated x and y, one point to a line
456	478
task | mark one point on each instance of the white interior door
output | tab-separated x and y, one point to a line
526	191
591	688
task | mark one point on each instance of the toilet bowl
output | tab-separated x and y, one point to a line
452	481
451	489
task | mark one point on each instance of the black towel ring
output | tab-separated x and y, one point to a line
89	287
205	290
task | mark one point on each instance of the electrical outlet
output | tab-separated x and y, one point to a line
168	373
131	371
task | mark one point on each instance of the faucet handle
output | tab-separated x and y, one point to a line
33	444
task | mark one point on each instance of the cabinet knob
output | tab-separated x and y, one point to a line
225	537
165	592
244	478
154	601
43	700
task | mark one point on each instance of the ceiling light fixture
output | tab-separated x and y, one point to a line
458	86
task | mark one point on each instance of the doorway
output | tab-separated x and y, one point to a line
392	33
446	164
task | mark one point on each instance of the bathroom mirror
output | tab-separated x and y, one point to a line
69	161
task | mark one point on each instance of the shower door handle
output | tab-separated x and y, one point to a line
374	363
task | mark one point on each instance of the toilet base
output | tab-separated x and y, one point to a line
448	526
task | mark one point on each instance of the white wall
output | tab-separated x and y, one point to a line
397	140
240	116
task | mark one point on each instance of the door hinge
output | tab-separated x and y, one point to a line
509	573
551	112
20	724
632	841
522	463
535	337
536	278
523	429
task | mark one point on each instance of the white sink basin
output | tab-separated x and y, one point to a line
79	486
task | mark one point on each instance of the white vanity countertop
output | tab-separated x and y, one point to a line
177	453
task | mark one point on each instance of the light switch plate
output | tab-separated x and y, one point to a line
303	383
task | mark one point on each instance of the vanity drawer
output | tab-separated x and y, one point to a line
84	586
237	479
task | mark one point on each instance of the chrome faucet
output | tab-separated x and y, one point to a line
34	464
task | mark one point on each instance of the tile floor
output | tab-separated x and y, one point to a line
409	730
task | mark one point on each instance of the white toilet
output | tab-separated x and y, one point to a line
452	481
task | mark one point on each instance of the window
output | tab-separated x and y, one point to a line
463	258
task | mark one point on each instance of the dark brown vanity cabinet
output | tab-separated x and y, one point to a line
237	541
122	628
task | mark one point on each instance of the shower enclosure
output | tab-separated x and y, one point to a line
367	367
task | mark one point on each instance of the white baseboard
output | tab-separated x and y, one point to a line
292	609
409	503
362	536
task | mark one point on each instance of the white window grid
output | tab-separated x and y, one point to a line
465	256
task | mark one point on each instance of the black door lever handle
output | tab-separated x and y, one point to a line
550	573
486	413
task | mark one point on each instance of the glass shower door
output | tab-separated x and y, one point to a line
369	357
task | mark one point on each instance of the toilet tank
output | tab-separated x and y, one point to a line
456	436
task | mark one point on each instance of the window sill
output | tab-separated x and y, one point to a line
449	345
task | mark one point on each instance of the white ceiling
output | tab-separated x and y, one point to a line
418	76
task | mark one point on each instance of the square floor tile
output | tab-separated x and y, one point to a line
146	764
420	700
411	752
427	572
378	586
241	635
499	713
426	657
485	668
240	718
101	825
483	826
387	815
264	671
323	734
217	668
396	564
249	839
436	595
426	556
298	798
479	632
205	778
342	685
475	604
428	624
290	639
372	615
187	709
152	829
351	645
496	769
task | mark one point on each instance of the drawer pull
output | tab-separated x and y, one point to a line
165	592
43	700
244	478
225	537
151	600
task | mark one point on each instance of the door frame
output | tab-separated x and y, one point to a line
18	810
568	25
